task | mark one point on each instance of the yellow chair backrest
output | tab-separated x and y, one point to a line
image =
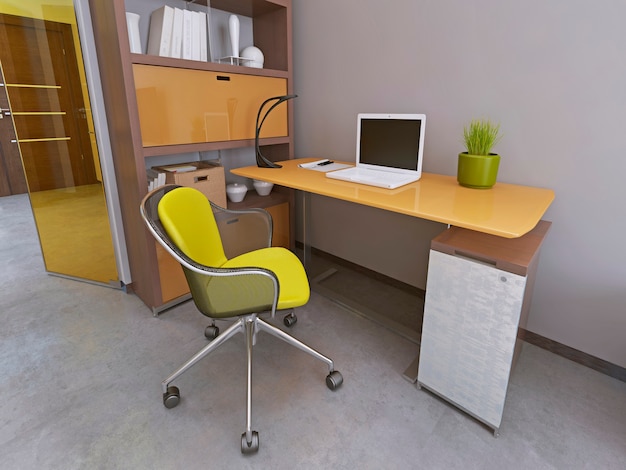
188	219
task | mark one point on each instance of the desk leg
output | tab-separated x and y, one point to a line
411	372
306	231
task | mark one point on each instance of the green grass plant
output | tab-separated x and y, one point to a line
480	136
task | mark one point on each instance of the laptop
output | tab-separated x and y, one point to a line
389	150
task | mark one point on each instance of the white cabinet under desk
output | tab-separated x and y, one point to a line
478	295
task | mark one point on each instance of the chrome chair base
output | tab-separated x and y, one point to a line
250	325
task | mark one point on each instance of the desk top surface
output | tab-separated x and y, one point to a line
506	210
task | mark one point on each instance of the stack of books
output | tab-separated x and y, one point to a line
182	34
155	178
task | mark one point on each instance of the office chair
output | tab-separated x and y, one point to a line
233	273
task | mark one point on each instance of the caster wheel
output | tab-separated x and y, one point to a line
172	397
334	380
290	320
252	447
211	332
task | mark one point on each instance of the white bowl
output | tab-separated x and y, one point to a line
236	191
263	188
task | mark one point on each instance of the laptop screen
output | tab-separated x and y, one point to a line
391	140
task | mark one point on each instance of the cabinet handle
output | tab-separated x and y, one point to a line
200	178
224	78
471	257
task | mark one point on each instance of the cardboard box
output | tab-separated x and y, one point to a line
207	177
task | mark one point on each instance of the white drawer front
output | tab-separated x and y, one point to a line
471	317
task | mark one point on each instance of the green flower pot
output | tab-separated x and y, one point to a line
477	171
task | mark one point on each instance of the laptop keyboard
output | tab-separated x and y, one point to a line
378	176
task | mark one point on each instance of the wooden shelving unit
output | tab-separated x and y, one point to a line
272	33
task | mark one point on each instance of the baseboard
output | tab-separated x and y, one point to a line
597	364
580	357
420	293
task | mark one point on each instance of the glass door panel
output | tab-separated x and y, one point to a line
44	84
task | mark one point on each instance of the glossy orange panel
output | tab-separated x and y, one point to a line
173	281
280	219
181	106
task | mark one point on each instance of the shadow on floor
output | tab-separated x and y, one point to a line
390	303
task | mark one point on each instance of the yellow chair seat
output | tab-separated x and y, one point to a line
294	286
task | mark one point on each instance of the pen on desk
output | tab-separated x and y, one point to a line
327	162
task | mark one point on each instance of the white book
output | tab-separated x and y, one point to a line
161	179
160	36
195	36
187	21
152	178
209	35
176	49
203	36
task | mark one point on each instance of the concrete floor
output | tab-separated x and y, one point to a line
81	367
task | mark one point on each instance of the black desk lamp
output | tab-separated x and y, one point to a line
261	161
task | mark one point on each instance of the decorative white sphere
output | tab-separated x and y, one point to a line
253	57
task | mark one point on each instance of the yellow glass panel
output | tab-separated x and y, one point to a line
182	106
74	232
54	139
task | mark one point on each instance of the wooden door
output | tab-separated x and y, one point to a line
44	89
12	180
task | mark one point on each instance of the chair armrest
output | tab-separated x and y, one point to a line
236	291
214	291
243	231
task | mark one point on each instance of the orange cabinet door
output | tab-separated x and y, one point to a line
183	106
280	218
173	281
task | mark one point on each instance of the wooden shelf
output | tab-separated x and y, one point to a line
209	146
271	32
248	7
277	196
245	7
146	59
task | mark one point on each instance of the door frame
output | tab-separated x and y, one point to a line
103	142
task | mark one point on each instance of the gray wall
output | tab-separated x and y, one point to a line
553	73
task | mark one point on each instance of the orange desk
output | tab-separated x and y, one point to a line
506	210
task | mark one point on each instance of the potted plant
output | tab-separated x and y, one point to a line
478	167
